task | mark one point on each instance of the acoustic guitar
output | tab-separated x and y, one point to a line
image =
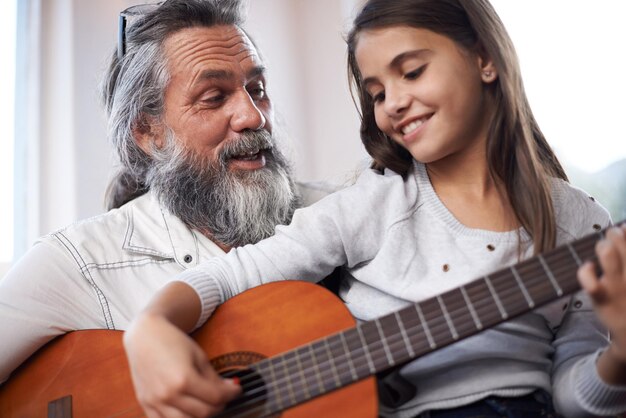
293	345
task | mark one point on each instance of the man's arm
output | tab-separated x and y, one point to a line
43	296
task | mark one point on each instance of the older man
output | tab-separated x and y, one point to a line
191	121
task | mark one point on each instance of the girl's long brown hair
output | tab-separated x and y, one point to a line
517	151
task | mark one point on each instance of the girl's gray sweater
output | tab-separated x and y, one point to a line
398	244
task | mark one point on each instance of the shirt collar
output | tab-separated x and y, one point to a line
152	230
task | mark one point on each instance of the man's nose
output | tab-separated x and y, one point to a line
246	114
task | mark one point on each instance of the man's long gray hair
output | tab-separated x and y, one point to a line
134	86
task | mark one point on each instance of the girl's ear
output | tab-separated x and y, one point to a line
488	71
148	134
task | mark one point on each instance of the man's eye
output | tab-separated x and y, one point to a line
213	100
412	75
257	91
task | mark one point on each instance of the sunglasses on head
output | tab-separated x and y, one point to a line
127	17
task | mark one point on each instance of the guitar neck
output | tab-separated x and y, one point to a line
372	347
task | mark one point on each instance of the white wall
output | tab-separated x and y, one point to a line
303	43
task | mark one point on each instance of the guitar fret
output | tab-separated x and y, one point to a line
539	287
384	341
357	352
376	347
414	329
316	369
368	356
309	364
496	298
520	283
585	248
470	306
550	275
302	376
288	382
455	335
326	367
431	341
348	359
333	368
277	393
575	255
405	337
391	330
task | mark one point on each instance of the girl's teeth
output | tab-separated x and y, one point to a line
412	126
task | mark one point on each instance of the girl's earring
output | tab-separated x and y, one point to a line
488	75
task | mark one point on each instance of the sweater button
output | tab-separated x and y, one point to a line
187	259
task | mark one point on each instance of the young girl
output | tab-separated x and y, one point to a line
463	183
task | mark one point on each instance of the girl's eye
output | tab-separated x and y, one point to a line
412	75
378	97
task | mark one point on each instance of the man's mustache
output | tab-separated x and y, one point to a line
249	142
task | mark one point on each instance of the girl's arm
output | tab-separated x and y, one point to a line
170	372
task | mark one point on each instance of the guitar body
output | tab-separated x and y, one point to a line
91	366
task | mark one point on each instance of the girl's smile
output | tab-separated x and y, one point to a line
411	127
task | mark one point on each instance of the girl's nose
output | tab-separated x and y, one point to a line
396	101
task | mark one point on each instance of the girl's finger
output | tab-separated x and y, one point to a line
210	392
608	255
590	282
167	411
195	407
618	237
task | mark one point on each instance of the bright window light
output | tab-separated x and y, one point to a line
8	19
573	66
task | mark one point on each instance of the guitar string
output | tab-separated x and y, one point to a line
394	340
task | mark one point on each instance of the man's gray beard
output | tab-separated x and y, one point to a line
232	207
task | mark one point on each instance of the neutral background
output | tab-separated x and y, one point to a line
64	161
